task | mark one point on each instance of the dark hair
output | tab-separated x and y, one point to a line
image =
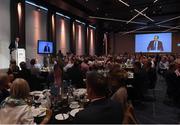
13	62
156	36
23	65
97	82
137	64
33	62
119	75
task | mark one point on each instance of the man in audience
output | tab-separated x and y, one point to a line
3	87
100	110
34	69
24	72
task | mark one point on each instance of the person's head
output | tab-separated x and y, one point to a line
177	62
97	85
4	81
172	67
19	89
13	62
137	66
117	77
23	65
17	39
33	62
156	38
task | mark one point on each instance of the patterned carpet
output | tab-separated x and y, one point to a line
157	112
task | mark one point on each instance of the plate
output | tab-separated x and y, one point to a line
36	93
74	107
38	112
75	111
61	116
79	92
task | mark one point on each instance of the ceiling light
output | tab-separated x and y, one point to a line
144	15
137	15
124	3
118	20
155	1
174	18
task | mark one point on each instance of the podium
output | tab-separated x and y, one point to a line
19	55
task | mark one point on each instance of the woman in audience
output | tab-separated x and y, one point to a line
15	110
3	87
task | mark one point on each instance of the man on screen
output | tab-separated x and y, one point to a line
155	45
47	48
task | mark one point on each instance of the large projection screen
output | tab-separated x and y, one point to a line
156	42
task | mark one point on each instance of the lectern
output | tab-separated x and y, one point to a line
19	55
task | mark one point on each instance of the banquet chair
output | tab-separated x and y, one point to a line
47	118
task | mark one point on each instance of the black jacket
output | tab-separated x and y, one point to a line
103	111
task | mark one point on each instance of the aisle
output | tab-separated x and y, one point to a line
157	112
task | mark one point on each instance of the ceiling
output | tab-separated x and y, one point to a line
114	15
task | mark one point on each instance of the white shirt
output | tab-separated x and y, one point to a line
16	44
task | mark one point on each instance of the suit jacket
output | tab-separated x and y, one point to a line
152	47
101	111
46	49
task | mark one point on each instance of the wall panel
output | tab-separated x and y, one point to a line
62	34
36	29
4	33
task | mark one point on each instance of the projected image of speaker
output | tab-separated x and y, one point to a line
45	47
157	42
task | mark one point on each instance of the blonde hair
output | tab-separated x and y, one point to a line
19	89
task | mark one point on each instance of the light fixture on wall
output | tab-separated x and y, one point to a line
38	6
19	10
60	14
92	27
80	22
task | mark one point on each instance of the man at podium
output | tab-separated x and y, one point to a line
14	45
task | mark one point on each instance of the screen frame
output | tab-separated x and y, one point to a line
45	41
153	33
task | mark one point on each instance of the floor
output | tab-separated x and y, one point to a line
157	112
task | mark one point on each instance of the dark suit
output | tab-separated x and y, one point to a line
152	47
102	111
46	49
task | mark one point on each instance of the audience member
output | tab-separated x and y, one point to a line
100	110
3	86
14	110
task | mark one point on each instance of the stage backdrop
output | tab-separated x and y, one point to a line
36	29
4	33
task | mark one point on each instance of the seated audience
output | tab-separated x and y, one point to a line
75	74
3	87
170	78
34	69
163	65
24	72
141	82
14	110
151	73
100	110
117	80
13	68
